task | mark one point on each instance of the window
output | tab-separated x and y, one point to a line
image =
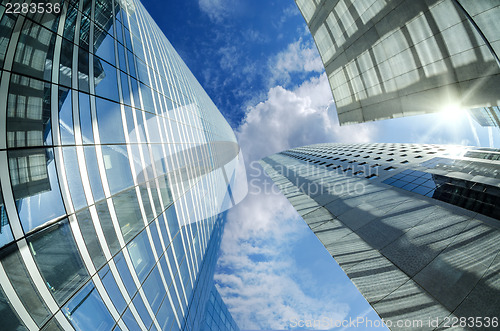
86	311
57	257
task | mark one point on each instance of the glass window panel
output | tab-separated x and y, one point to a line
146	203
21	281
52	325
34	51
35	186
166	194
86	311
57	257
70	23
125	275
173	223
112	288
28	112
90	236
154	289
117	166
66	63
128	214
85	118
125	91
83	70
166	273
74	179
104	46
141	255
106	84
141	309
165	315
5	231
156	238
107	227
178	247
66	117
6	26
109	120
103	15
10	320
130	321
131	64
93	172
121	55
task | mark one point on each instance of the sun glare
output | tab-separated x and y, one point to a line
452	113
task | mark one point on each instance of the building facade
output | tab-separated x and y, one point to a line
486	116
415	227
115	167
387	59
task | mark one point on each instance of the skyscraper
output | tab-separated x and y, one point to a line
115	167
387	59
415	227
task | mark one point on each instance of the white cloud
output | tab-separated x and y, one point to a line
218	10
257	281
299	57
293	118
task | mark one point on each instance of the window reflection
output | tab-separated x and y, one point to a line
86	311
109	119
141	255
35	186
57	257
34	51
90	237
112	289
5	232
6	26
28	112
10	320
19	277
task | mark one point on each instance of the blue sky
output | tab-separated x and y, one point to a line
258	62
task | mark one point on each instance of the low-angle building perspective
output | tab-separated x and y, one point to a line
116	169
387	59
226	165
415	227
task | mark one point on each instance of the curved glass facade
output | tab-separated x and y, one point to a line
387	59
114	168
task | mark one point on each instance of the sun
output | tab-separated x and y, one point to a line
452	113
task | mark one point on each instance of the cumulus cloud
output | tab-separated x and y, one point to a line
298	58
292	118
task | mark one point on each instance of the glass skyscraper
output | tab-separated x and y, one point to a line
387	59
415	227
115	167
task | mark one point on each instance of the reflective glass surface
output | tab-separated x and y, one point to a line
106	132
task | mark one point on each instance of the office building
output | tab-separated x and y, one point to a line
387	59
415	227
115	167
486	116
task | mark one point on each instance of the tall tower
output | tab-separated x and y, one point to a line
415	227
387	59
114	168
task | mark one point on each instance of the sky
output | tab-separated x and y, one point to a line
258	62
